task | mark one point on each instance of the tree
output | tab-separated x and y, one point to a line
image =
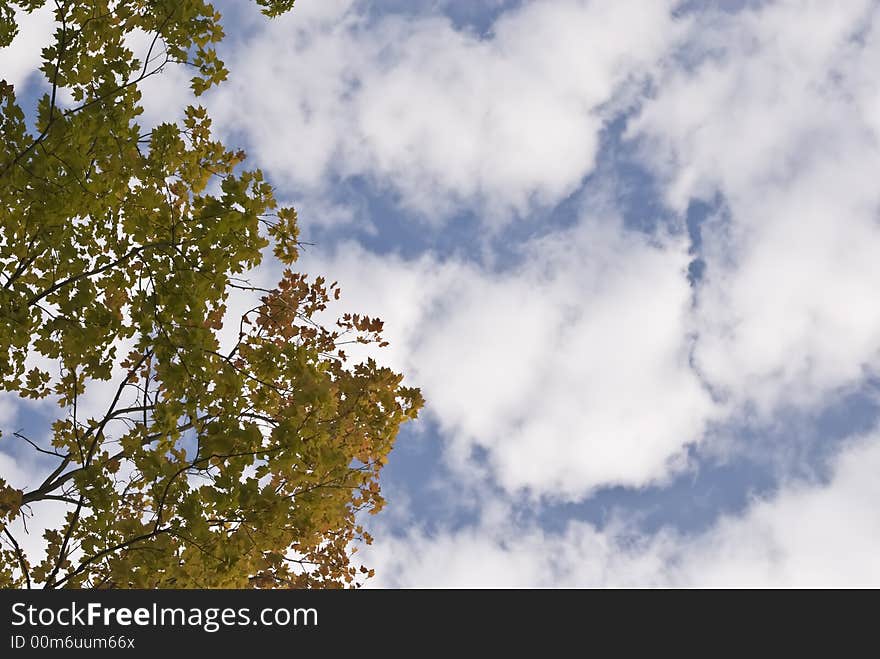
119	249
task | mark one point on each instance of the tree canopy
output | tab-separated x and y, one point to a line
120	245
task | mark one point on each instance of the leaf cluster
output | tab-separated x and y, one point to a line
119	250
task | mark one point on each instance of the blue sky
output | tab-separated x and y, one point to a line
629	249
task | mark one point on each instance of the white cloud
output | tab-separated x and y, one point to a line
22	58
808	535
571	371
25	471
435	114
781	118
7	409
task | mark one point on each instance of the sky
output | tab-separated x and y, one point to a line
629	250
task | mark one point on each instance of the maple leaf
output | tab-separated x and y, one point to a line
205	469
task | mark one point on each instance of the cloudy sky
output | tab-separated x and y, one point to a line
629	250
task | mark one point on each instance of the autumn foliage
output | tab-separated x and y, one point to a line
209	465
